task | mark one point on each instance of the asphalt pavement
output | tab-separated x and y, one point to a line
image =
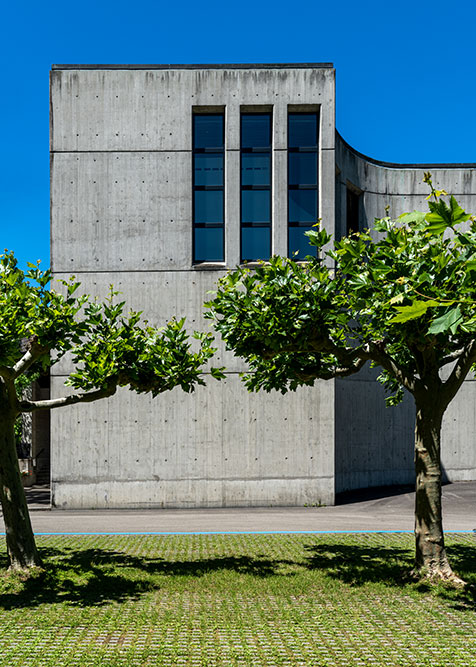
373	510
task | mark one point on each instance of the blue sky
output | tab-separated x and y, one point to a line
406	82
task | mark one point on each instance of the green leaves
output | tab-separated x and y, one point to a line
450	321
407	294
318	237
447	322
117	348
442	216
107	345
416	309
458	215
264	314
415	219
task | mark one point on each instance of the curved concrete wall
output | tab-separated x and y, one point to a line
374	444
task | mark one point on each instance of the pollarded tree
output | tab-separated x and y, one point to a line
108	348
405	303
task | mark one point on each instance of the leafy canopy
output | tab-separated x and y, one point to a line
402	295
109	348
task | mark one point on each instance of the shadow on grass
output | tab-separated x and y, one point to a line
358	565
94	577
463	559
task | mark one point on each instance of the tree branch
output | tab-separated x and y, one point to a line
6	372
89	397
371	352
451	357
353	358
31	355
460	371
375	352
337	372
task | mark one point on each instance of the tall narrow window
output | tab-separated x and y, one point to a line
208	188
352	211
302	182
255	186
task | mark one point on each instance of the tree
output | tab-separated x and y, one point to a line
402	298
108	348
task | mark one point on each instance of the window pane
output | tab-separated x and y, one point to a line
302	206
209	244
352	218
302	130
255	243
255	169
208	206
208	131
302	168
208	169
255	206
256	130
298	243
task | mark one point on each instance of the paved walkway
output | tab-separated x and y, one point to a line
362	511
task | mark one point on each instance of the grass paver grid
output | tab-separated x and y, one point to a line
219	600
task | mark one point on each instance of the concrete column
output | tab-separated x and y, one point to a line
279	232
232	184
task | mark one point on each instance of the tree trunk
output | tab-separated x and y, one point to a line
430	553
21	545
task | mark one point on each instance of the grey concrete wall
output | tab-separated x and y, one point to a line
122	213
220	446
374	446
121	143
400	187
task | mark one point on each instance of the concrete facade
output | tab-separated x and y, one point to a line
121	213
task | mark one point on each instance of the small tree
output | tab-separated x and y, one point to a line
405	303
109	349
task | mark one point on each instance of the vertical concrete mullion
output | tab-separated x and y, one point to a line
327	187
279	209
232	185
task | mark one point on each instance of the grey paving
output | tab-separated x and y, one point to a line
371	510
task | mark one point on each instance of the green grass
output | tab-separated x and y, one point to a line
260	600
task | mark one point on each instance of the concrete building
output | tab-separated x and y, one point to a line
164	177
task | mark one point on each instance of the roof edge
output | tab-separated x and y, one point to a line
198	66
407	165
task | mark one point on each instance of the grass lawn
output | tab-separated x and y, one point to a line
260	600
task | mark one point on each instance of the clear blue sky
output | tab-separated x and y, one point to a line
406	81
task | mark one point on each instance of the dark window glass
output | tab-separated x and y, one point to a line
208	131
303	203
208	244
302	206
208	206
208	188
303	169
299	243
256	130
255	169
255	243
255	186
352	217
209	169
255	206
302	130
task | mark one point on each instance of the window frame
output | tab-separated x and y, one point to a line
196	113
292	150
257	150
352	209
